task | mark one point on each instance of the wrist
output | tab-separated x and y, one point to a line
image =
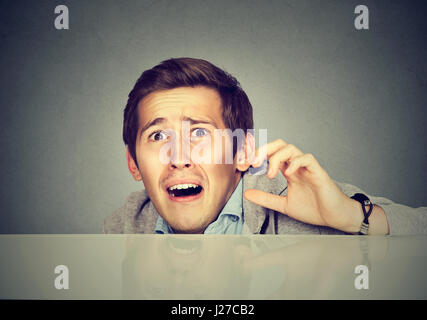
354	215
353	218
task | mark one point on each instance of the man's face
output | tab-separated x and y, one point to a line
188	194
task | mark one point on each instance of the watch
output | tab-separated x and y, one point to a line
364	201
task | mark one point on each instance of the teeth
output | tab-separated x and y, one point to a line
183	186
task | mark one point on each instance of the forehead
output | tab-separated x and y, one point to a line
181	102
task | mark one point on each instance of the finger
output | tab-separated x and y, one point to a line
264	151
277	160
305	161
265	199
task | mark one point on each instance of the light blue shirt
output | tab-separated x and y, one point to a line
230	219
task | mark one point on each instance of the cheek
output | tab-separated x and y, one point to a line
149	166
221	148
220	175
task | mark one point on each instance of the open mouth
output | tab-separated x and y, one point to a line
184	190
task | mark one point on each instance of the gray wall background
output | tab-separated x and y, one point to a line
355	99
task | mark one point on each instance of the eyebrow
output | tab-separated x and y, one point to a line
192	121
151	123
195	121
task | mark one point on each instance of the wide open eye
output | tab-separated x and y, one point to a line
158	136
199	133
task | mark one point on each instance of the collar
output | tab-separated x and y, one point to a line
234	204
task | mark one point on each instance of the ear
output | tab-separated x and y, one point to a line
243	155
133	168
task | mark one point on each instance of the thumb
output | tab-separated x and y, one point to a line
267	200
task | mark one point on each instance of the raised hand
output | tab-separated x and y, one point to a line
312	196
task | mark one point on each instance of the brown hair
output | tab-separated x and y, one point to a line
188	72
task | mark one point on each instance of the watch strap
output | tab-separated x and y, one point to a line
364	201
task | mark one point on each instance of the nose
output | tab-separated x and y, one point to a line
180	165
181	156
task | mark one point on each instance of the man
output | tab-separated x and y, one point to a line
175	110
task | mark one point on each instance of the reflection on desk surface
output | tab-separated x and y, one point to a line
275	267
215	267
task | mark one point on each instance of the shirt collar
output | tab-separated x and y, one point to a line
162	226
234	204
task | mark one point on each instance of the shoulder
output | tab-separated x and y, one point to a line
115	223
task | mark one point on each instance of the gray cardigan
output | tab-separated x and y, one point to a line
139	215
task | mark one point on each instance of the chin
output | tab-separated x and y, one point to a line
186	226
